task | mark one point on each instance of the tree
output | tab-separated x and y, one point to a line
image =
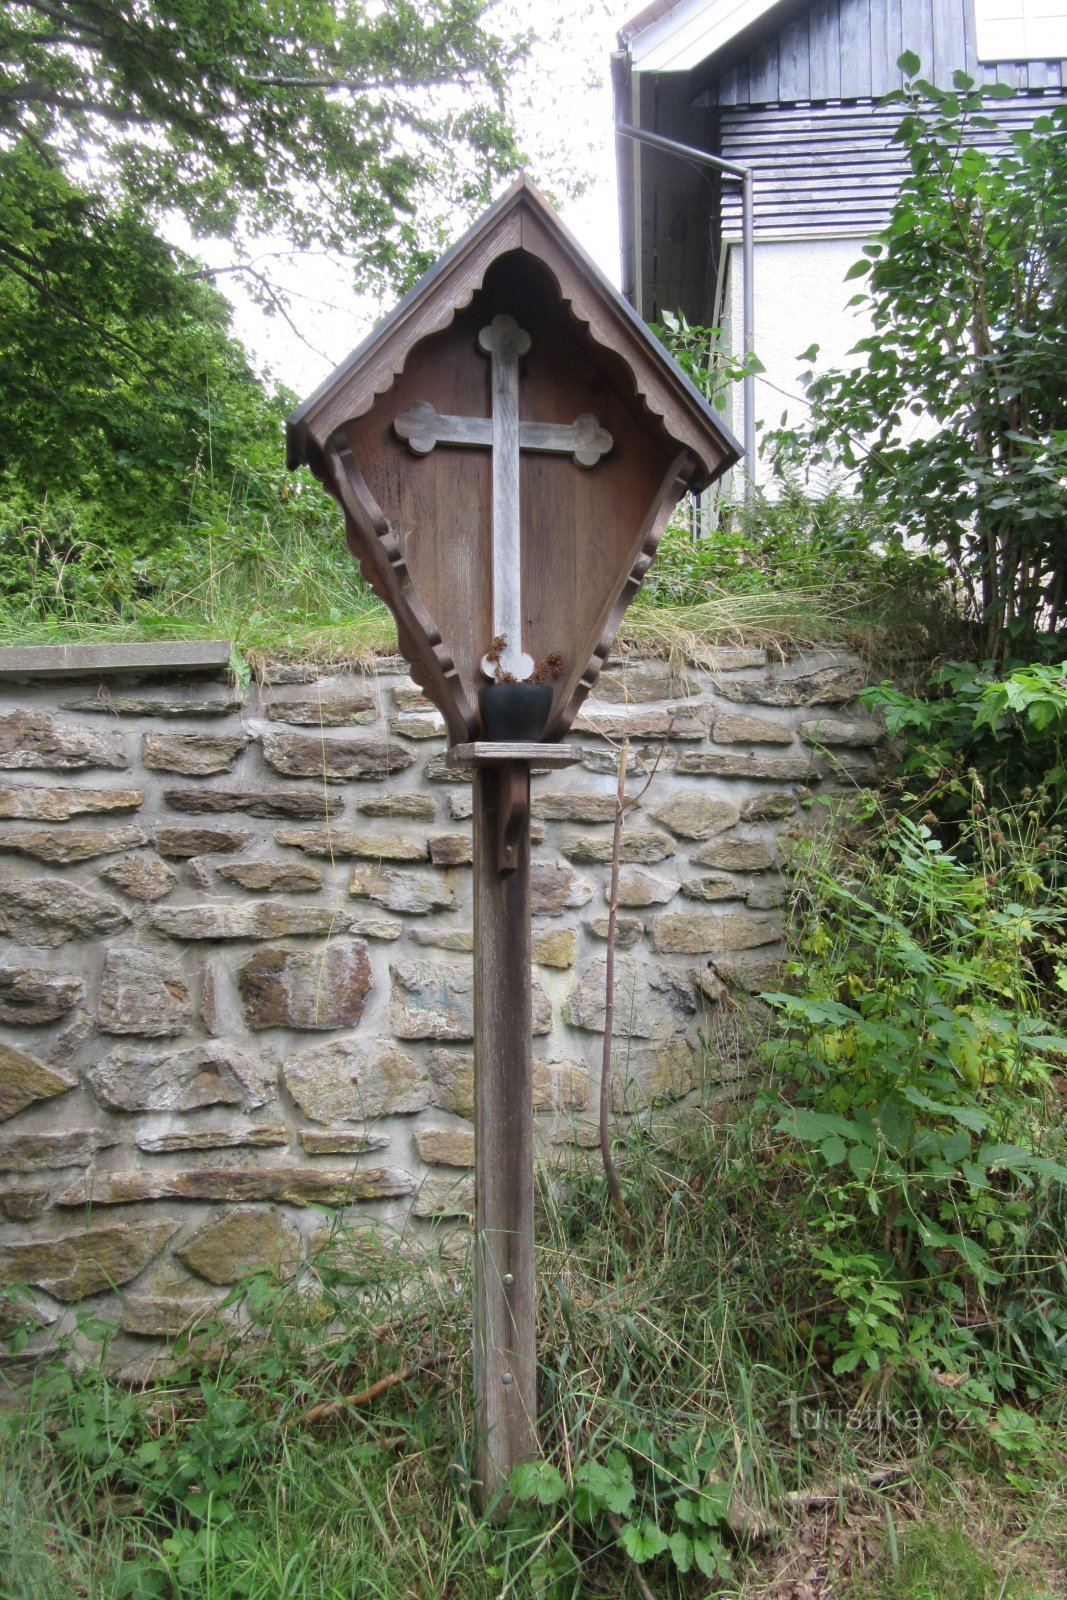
343	124
957	423
116	365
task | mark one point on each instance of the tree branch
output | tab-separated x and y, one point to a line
32	273
333	1408
358	86
14	51
274	295
40	94
615	1194
62	15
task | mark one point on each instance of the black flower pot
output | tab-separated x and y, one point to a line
514	713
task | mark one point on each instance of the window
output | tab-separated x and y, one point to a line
1021	30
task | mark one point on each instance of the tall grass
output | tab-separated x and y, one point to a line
250	1472
280	582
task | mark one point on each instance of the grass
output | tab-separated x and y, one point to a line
696	1442
216	1482
875	620
283	585
280	586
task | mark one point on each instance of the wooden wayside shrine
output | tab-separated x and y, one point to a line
507	447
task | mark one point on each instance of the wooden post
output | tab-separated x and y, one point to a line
505	1292
505	1356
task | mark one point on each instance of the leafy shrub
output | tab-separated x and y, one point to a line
265	565
656	1502
914	1079
705	356
967	295
788	537
1002	730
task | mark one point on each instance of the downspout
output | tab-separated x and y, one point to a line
742	174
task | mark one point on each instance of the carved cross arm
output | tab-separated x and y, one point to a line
423	427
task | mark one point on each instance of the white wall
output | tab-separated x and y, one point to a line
801	299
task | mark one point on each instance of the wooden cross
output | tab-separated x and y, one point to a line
506	436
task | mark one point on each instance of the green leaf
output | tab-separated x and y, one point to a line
860	1161
1013	1158
816	1012
686	1510
814	1126
681	1546
537	1480
954	1146
609	1484
966	1116
643	1541
709	1557
896	1123
908	62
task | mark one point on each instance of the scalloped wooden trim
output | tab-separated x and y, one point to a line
675	484
377	549
531	227
376	374
599	322
387	372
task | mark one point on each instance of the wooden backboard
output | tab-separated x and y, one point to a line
422	524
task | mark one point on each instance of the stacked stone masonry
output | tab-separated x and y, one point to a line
235	947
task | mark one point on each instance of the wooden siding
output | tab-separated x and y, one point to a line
678	204
824	169
848	49
794	98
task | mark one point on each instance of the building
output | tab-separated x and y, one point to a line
791	90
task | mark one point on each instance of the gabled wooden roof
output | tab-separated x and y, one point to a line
678	35
521	220
1017	42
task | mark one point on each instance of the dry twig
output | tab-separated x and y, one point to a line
622	805
333	1408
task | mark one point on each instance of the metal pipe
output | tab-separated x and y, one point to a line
748	314
674	147
731	169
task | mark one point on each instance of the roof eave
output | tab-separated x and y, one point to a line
455	278
300	442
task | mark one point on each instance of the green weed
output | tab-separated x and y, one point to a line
688	1410
276	583
264	563
915	1076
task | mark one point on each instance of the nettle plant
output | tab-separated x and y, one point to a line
913	1077
659	1502
1010	726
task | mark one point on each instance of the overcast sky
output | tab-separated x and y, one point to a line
563	104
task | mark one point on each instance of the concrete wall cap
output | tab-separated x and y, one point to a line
157	658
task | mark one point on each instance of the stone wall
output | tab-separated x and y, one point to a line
235	935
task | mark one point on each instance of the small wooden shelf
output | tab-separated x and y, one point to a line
494	753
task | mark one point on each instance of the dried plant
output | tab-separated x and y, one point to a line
544	671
